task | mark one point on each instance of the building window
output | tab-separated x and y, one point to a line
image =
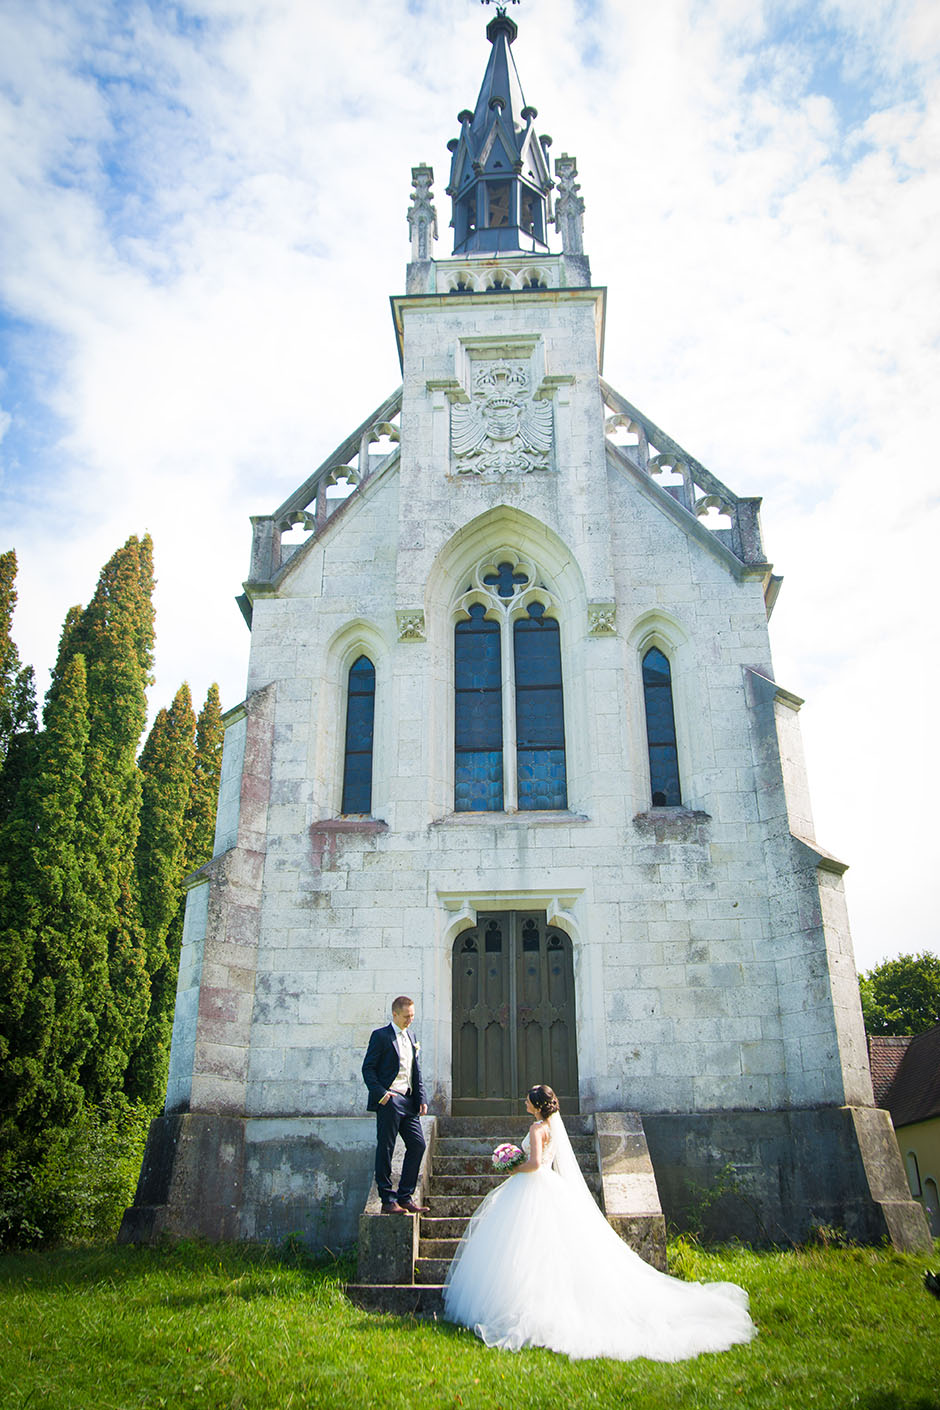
661	730
360	722
913	1173
478	715
498	198
540	711
509	717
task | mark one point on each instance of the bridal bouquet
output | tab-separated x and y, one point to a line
506	1156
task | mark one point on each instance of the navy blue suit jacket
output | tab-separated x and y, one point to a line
381	1065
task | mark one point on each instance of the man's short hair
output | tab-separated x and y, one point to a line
400	1003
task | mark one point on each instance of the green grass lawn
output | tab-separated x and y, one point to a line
241	1328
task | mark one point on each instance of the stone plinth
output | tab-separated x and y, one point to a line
784	1173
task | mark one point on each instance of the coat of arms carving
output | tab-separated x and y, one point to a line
502	428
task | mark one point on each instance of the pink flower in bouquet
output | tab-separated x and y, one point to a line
506	1156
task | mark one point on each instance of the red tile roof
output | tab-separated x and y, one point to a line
884	1058
915	1091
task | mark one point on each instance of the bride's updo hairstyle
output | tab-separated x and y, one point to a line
544	1101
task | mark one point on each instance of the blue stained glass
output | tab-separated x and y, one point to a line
360	716
541	778
661	730
505	580
481	720
360	721
540	718
540	712
478	715
478	782
656	668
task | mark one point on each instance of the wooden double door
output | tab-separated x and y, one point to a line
514	1014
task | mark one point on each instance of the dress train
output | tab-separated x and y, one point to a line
540	1266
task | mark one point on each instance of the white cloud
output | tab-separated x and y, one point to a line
205	214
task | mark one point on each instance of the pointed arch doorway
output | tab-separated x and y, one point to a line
514	1014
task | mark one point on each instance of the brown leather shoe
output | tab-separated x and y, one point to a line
409	1206
394	1208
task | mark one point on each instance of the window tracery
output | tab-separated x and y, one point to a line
509	724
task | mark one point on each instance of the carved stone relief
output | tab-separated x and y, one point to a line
411	625
602	619
502	428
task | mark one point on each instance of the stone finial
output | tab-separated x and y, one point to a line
422	216
569	207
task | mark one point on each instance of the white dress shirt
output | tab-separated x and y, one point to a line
402	1083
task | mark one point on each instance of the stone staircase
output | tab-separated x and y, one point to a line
403	1262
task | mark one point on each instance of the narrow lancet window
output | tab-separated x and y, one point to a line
540	712
360	723
661	730
478	715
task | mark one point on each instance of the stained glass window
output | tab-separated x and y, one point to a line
661	730
478	715
540	712
360	720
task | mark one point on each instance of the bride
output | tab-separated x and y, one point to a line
540	1266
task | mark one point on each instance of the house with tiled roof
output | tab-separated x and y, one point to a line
905	1075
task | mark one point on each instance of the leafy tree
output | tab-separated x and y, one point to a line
198	836
167	766
114	634
204	795
45	1030
17	695
902	995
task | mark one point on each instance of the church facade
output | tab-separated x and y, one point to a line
512	745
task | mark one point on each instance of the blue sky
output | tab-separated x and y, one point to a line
203	214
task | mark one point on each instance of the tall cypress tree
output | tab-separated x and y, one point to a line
115	635
198	836
167	769
204	794
17	695
45	963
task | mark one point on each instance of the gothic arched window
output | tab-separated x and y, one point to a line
661	730
509	718
478	715
360	722
540	711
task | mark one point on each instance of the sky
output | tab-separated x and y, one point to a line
202	215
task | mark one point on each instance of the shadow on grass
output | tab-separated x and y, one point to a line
74	1269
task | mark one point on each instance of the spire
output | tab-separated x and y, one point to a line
499	174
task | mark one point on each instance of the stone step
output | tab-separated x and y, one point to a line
452	1206
402	1299
438	1248
431	1270
483	1183
433	1229
486	1140
507	1128
465	1184
483	1165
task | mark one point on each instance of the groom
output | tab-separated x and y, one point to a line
392	1073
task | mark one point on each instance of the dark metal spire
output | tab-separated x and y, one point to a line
499	175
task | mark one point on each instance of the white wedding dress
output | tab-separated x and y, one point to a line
540	1266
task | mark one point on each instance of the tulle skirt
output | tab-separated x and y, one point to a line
540	1266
